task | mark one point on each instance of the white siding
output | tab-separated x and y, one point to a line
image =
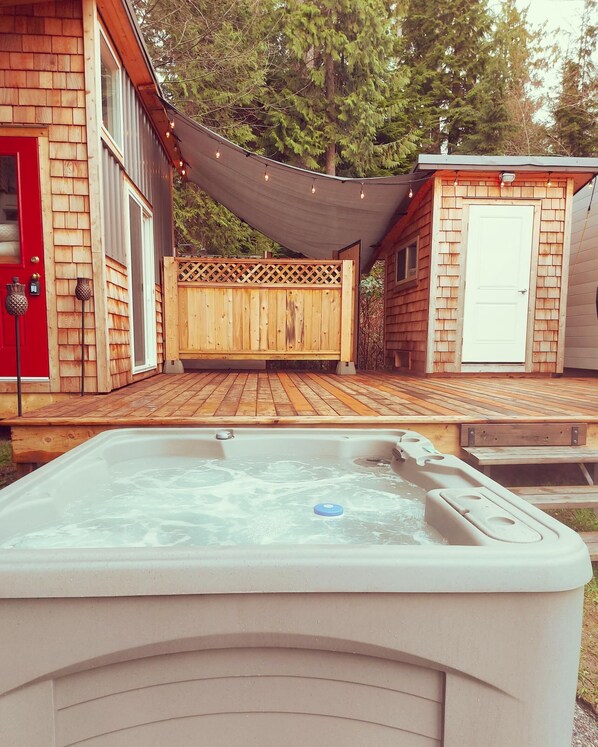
581	340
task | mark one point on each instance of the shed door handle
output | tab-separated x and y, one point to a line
523	290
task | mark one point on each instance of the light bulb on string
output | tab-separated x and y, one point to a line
313	187
266	174
171	123
218	152
362	193
410	191
456	182
549	181
167	133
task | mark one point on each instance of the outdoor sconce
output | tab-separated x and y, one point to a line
16	305
507	177
83	293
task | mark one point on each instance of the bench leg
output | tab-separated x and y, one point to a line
586	474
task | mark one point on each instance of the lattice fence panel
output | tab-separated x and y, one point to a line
259	273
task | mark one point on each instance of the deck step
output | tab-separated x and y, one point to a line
485	455
554	497
591	540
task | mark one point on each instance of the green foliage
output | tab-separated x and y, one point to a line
213	59
507	98
446	45
371	319
576	110
339	83
473	75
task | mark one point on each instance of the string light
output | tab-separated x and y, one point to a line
410	191
167	133
171	124
549	181
218	152
362	193
313	187
456	182
266	175
181	164
183	172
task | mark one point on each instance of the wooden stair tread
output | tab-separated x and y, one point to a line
484	455
591	540
551	497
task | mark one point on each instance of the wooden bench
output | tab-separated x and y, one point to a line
591	540
554	497
492	444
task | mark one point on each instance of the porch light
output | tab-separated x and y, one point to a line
507	177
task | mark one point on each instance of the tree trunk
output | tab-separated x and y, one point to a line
330	91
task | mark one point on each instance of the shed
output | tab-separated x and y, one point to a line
477	265
85	192
581	337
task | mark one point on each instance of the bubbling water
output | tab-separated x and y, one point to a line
251	502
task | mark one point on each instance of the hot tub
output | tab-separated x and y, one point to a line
371	591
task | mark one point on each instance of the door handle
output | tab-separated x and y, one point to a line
523	290
34	260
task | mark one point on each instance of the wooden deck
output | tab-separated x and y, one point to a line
436	407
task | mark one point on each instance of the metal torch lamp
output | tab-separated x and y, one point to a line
83	293
17	304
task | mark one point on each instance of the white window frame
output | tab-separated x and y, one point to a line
410	248
149	300
114	140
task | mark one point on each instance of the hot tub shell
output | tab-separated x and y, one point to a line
468	644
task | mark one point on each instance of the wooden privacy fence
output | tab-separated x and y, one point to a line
259	309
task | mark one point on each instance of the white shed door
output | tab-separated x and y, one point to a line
497	278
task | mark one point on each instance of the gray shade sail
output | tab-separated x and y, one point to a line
283	207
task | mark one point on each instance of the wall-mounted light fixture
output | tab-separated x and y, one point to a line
507	177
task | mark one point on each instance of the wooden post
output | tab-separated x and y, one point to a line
171	310
347	310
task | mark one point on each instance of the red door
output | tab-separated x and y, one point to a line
22	256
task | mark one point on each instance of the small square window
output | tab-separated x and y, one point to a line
407	262
111	92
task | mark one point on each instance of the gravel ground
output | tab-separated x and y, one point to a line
585	729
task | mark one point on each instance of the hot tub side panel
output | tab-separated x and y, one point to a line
386	669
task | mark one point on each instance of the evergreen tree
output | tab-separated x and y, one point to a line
508	102
213	59
575	113
446	47
337	86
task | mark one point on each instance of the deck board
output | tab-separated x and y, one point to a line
436	407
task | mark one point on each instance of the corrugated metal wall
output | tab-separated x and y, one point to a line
147	167
113	222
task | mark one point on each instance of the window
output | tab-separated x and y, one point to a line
407	262
10	241
110	92
141	285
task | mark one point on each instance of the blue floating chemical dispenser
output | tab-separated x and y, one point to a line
328	509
